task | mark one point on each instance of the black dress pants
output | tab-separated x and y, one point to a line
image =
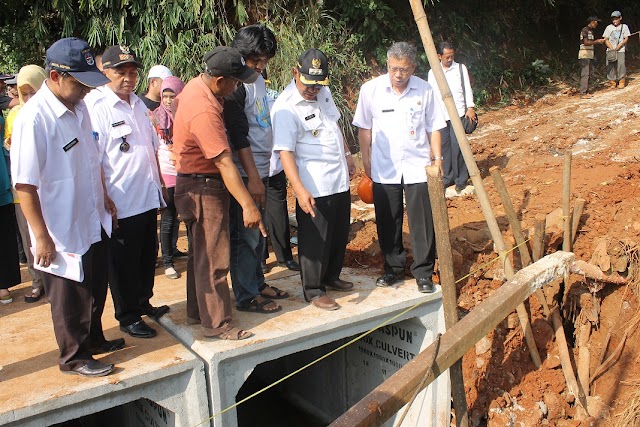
132	265
276	218
322	242
454	169
389	212
76	308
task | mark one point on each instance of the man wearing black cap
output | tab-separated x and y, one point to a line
127	143
586	53
206	176
318	165
57	175
6	102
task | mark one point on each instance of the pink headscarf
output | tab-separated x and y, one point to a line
163	115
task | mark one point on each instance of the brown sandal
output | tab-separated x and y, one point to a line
34	295
235	334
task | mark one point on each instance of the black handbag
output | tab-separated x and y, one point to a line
468	124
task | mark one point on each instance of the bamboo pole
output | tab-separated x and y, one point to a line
448	284
485	204
510	212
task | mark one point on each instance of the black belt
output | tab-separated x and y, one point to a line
198	176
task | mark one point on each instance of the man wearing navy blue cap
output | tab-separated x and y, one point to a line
57	174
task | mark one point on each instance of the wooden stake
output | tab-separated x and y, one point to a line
380	405
578	208
448	283
538	239
566	203
474	173
584	356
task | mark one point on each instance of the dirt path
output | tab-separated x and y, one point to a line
528	144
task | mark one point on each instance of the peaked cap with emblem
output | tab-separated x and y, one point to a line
117	55
74	56
313	66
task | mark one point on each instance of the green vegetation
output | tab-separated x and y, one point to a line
509	47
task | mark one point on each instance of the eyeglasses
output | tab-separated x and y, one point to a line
401	70
312	86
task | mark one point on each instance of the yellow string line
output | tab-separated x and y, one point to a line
364	334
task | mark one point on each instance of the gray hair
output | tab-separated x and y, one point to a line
402	50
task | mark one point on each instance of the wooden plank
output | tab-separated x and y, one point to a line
380	405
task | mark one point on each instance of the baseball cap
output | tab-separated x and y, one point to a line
228	62
593	18
159	71
4	76
313	67
74	56
117	55
13	80
616	14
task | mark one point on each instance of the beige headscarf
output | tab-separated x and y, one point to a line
31	75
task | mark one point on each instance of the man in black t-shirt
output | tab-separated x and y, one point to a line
156	74
586	53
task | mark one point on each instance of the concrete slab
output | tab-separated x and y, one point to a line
300	327
34	392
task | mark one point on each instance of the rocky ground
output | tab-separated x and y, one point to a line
527	143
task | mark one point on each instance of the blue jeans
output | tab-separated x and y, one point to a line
169	230
247	245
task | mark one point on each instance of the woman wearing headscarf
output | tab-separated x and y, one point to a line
163	115
30	79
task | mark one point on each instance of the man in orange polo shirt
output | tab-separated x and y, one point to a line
206	176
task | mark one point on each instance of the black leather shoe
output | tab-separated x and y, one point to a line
94	368
425	285
291	265
265	268
107	346
389	279
156	312
139	330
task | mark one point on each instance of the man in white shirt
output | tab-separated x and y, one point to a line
616	36
57	174
127	143
318	165
400	121
454	168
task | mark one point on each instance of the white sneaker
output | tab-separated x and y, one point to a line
171	273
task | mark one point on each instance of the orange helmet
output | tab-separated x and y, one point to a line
365	189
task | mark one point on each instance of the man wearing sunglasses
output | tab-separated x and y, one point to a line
318	165
56	170
128	142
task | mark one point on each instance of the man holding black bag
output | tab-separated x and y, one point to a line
454	168
615	37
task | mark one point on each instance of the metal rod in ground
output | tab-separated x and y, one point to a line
448	284
474	173
518	235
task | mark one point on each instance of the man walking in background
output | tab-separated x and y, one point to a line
454	168
586	54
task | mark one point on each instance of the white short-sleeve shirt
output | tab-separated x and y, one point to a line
310	130
452	74
399	125
127	143
54	150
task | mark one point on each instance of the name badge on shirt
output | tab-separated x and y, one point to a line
412	132
309	117
388	111
116	124
70	145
